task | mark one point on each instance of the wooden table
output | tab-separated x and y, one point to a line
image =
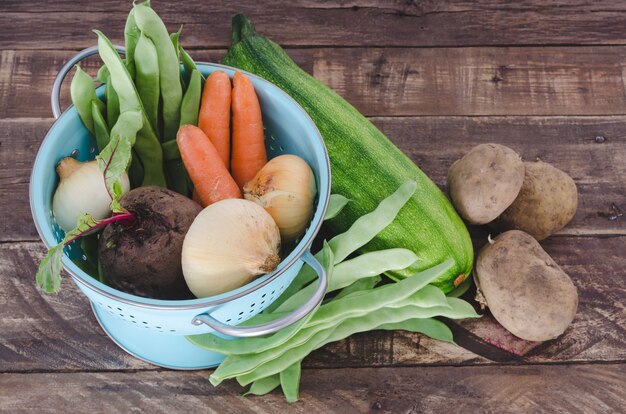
438	77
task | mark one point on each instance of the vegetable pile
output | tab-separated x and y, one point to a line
355	302
184	202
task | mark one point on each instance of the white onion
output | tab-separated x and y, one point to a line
81	190
229	244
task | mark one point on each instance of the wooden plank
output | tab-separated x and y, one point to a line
432	142
306	22
573	389
399	81
58	332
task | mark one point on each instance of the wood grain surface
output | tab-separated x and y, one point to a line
330	23
597	388
397	81
546	78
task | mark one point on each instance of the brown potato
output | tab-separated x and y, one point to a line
546	203
485	182
526	291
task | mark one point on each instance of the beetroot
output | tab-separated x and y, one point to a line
142	256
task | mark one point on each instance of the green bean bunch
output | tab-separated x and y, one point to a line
150	82
355	302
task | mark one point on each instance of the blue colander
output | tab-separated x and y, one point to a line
151	329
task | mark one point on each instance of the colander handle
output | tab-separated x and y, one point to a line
55	96
270	327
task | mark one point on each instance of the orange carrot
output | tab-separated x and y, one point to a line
211	179
214	116
248	153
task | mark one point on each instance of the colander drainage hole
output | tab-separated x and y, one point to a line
228	320
131	316
144	322
122	315
239	318
262	302
119	309
252	306
273	291
109	306
264	295
172	330
240	313
158	327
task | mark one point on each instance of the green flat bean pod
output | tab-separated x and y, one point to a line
147	79
264	386
131	37
290	381
361	232
347	272
101	130
336	311
366	227
153	27
428	326
113	102
190	106
147	145
360	285
349	327
83	93
336	203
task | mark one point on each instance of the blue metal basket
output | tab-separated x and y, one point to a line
154	330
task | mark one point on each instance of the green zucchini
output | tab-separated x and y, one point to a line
365	166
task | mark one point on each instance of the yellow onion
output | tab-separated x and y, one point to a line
229	244
285	188
81	190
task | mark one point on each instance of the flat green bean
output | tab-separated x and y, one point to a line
189	64
290	381
336	203
131	37
147	145
83	93
264	386
153	27
347	272
366	227
279	361
361	232
336	311
103	74
427	326
101	131
147	79
190	106
113	102
360	285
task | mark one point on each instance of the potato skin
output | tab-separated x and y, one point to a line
526	291
546	202
143	258
485	182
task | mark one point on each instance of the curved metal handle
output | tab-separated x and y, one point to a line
55	96
271	327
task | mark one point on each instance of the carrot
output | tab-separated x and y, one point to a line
209	175
214	116
248	152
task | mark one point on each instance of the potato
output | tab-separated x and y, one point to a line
546	203
526	291
485	182
143	257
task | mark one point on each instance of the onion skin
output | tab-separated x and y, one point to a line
229	244
285	188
